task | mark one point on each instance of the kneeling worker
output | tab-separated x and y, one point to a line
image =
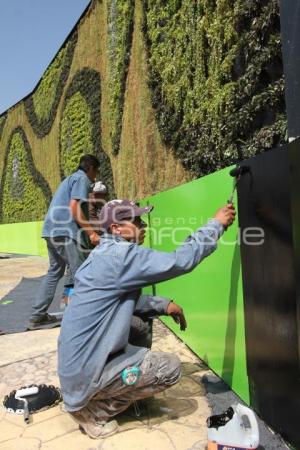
101	373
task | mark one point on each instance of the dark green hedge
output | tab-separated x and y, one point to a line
120	28
80	127
41	106
216	77
25	194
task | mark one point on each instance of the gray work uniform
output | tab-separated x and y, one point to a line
93	344
66	241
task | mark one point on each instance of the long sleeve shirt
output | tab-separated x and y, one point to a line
93	344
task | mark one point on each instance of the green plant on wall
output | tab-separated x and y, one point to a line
80	126
3	118
76	133
41	106
25	195
120	27
216	78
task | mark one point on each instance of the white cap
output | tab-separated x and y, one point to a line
100	187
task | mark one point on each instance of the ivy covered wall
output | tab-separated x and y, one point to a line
161	91
216	77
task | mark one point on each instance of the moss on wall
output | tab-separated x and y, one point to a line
120	27
216	77
41	106
25	195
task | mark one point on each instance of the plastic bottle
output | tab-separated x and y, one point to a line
236	429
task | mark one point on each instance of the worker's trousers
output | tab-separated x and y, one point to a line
62	251
159	371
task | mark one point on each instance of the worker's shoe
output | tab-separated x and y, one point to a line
92	426
45	321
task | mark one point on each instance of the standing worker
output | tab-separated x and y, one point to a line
100	373
97	198
66	231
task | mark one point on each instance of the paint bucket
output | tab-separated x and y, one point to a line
235	429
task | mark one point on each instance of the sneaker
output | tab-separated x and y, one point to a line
45	321
92	426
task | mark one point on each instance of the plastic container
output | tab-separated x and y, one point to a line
236	429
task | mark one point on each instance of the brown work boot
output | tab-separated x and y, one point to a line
92	426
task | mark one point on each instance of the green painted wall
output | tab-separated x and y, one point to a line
22	238
211	295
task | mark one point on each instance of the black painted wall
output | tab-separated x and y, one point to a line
270	288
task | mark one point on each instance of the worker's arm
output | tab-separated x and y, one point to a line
142	266
149	305
82	221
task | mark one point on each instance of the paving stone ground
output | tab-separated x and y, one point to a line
172	420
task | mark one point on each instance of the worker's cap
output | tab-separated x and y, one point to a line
100	187
117	210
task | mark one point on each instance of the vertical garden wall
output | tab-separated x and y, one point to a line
162	92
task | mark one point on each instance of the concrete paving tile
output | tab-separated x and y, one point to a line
20	346
37	418
198	418
141	439
45	415
9	431
161	409
186	387
15	419
52	428
183	437
74	440
2	412
21	444
199	445
129	421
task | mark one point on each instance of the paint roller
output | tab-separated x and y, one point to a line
237	173
21	394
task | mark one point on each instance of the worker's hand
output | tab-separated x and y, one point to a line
94	238
226	215
176	312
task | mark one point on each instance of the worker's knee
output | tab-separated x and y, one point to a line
165	368
171	369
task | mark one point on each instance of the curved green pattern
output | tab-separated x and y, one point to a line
120	28
25	195
76	133
41	106
216	77
80	127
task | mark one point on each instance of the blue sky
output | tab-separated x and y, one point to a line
31	32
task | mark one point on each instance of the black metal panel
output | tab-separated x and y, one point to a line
294	158
270	292
290	36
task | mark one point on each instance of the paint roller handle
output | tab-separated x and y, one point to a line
226	215
26	412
